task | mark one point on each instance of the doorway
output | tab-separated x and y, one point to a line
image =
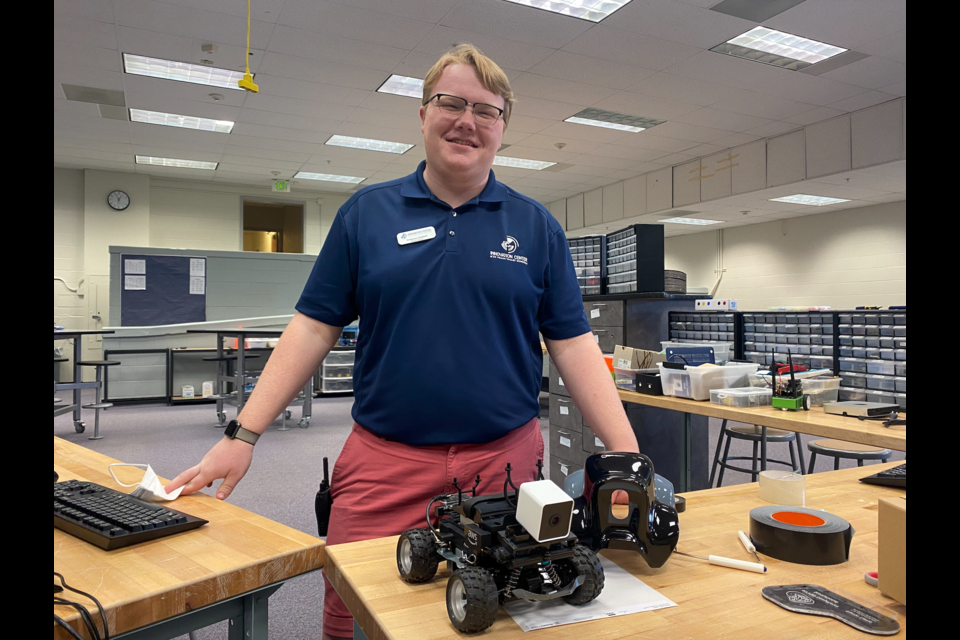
272	227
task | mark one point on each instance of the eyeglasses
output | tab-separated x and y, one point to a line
485	114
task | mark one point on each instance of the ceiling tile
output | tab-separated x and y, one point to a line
806	88
391	103
88	77
99	10
324	126
179	106
897	88
863	100
265	131
724	120
509	54
709	66
572	146
184	48
261	163
842	23
526	121
681	89
422	10
537	86
735	140
650	140
764	106
636	104
871	73
292	106
679	22
692	133
514	22
262	153
634	154
816	114
149	89
409	121
566	131
574	67
616	45
415	64
89	33
208	26
893	46
277	144
773	129
341	21
335	73
548	109
375	132
329	48
312	91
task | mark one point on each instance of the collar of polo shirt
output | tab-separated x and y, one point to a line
416	187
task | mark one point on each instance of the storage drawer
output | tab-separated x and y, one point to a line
560	469
591	443
605	314
335	386
338	371
566	444
340	357
563	413
556	382
608	338
853	395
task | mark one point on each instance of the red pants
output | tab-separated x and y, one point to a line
374	478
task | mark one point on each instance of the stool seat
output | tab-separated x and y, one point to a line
98	405
98	363
753	432
252	356
56	360
851	449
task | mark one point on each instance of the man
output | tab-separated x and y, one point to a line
453	276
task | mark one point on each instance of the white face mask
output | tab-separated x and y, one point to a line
150	487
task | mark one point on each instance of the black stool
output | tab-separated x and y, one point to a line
99	404
57	400
222	363
847	450
753	434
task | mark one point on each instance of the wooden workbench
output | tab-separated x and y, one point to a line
814	422
714	602
238	553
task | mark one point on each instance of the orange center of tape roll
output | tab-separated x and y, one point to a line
798	519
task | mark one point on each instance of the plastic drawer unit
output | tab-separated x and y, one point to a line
340	358
696	383
337	371
337	386
853	395
856	365
744	397
882	383
722	351
881	367
851	379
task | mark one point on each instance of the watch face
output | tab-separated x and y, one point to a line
232	428
118	200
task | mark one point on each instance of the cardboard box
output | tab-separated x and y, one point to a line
630	358
892	548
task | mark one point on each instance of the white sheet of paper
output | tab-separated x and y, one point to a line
622	595
135	267
135	283
595	313
198	267
564	411
198	286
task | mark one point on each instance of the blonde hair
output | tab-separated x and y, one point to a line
491	75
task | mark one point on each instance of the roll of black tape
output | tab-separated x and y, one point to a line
803	536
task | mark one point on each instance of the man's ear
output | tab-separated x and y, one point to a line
423	115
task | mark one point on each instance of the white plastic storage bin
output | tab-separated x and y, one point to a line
696	383
821	390
853	395
902	401
337	386
882	383
850	379
901	384
722	351
744	398
340	357
338	371
856	365
881	367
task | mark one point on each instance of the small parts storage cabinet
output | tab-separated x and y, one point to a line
337	372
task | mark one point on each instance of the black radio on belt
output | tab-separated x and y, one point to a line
323	503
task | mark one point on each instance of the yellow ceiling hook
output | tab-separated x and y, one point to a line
247	81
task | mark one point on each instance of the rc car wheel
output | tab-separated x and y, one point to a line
806	403
472	599
417	556
586	565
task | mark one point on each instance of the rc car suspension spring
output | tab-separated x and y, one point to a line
551	571
513	580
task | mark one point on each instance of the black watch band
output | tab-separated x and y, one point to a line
235	431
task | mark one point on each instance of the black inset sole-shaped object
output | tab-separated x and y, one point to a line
812	600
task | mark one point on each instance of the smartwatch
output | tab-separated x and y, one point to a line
236	432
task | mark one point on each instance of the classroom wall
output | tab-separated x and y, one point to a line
840	259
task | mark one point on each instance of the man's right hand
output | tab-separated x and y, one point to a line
228	459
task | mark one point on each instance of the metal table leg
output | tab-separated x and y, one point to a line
77	377
221	385
307	404
241	374
686	477
803	468
763	449
716	456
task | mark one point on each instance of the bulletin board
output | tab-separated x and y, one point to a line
161	290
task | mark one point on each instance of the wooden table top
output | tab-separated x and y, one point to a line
714	602
814	422
237	552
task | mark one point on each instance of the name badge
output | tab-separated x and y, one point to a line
417	235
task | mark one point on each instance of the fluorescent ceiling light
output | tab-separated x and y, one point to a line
613	120
813	201
778	48
369	145
326	177
592	10
520	163
186	122
173	162
694	221
181	71
403	86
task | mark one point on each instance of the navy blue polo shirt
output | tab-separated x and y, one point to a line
450	305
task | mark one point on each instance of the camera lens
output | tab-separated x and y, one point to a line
554	520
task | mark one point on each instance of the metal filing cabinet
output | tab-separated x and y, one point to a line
607	320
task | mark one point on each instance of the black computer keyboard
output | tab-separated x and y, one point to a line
110	519
896	477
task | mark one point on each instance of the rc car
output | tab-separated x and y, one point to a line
536	543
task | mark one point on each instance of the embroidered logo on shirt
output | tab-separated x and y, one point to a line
510	246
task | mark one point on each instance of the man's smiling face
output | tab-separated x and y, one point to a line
460	147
